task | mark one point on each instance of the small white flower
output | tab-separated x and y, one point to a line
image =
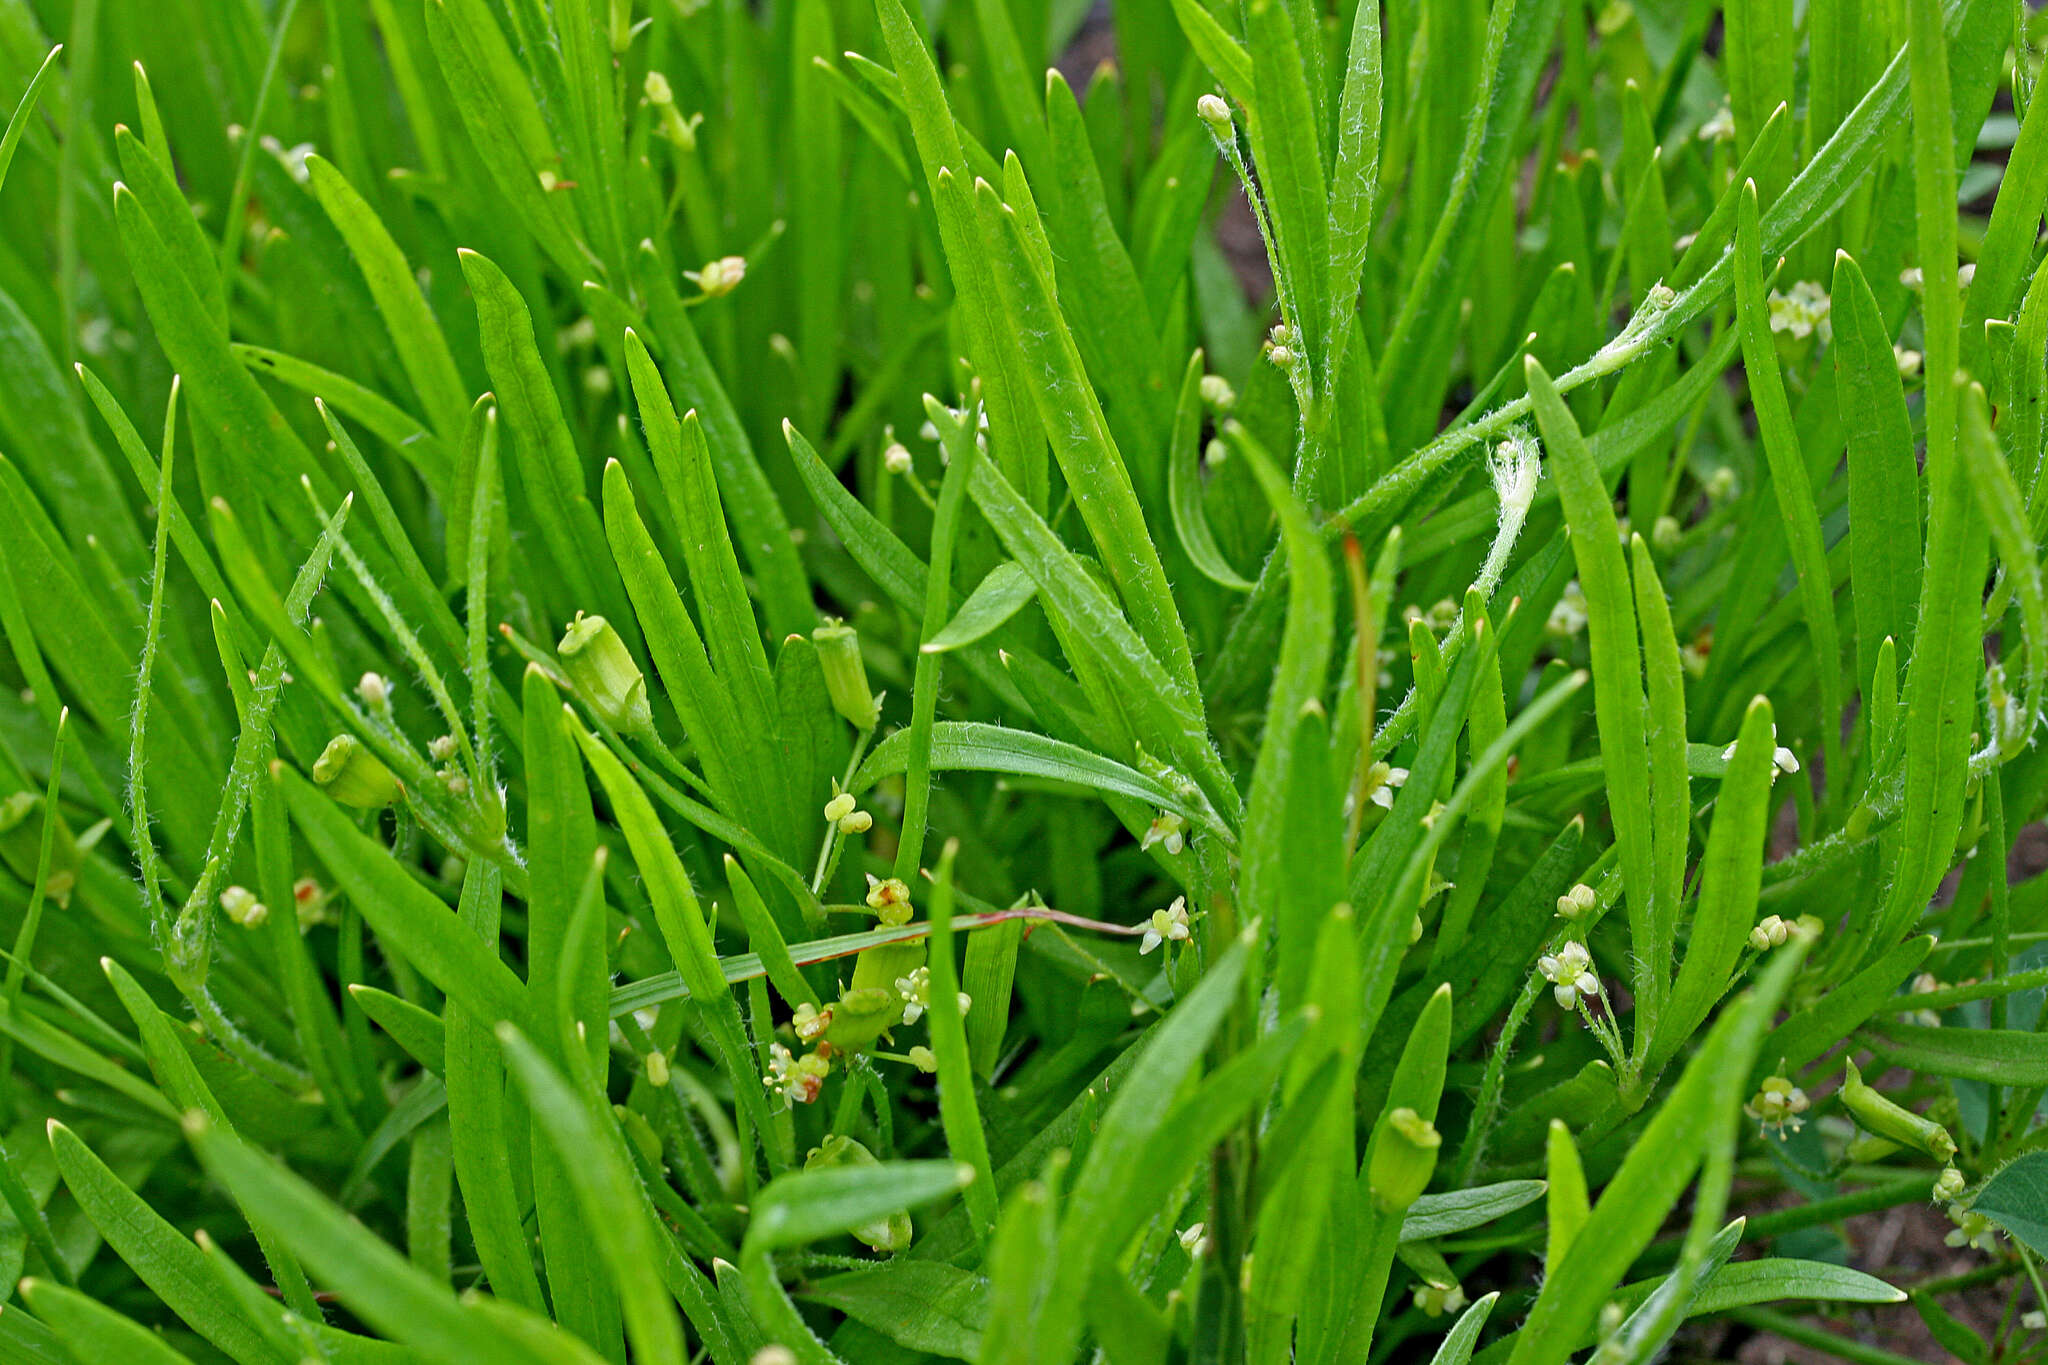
1168	830
1908	361
1803	310
2034	1321
1721	484
1971	1230
1785	760
1570	974
916	990
720	277
1719	128
1194	1240
1382	781
797	1079
1778	1105
1212	110
1437	1300
441	748
1568	617
1166	926
896	458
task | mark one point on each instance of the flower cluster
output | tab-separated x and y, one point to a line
889	898
916	990
1777	1106
797	1079
1803	311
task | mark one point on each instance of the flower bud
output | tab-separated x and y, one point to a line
1949	1186
923	1059
239	904
846	674
1212	110
1217	393
839	807
860	822
720	277
657	89
354	776
374	689
597	661
1402	1160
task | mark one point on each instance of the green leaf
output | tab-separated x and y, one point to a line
808	1206
373	1279
1005	591
926	1306
1618	700
1454	1211
1992	1055
92	1331
2016	1198
1884	495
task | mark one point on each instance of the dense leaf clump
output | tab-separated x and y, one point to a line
703	681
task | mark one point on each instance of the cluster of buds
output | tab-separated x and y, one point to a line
916	990
1777	1106
797	1079
889	898
240	904
1772	931
1280	346
844	815
1168	830
1570	973
1577	901
720	277
1166	926
1948	1186
1217	393
442	750
1802	311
